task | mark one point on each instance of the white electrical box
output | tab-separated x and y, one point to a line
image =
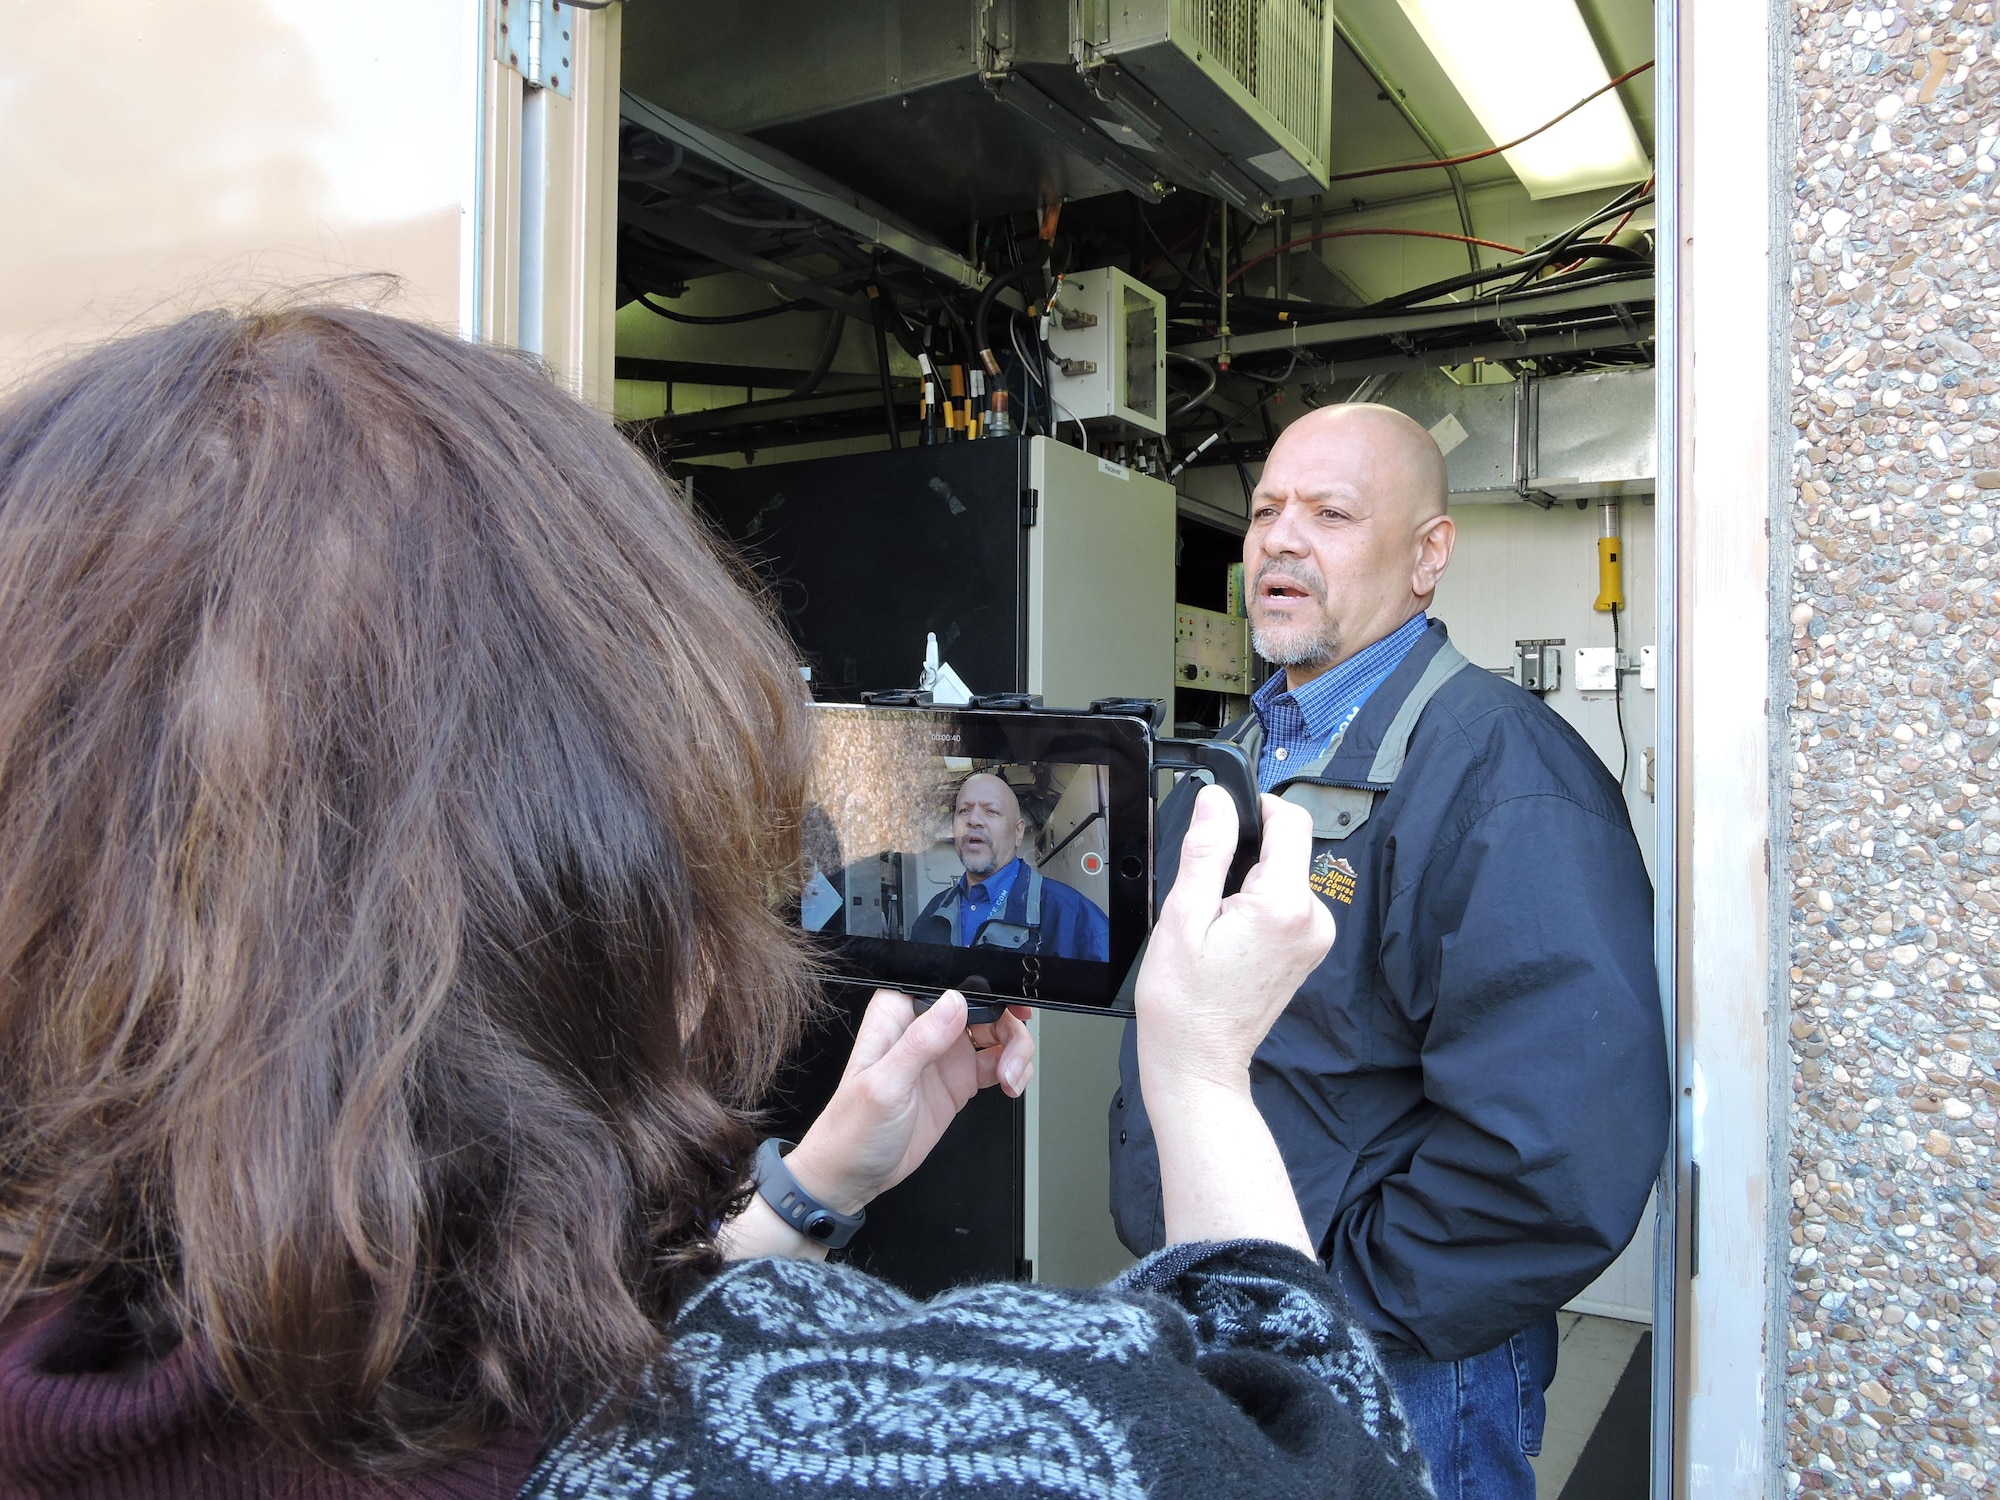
1108	349
1211	650
1597	669
1649	668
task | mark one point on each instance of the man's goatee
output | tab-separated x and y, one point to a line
1303	648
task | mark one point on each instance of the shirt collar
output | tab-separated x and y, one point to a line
1330	700
996	886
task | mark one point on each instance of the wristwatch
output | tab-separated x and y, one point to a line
778	1187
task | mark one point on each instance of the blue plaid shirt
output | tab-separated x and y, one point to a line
1298	726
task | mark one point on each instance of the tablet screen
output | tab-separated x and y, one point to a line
1004	853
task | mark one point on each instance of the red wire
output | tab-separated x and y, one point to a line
1459	161
1335	234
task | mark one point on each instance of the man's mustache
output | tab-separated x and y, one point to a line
1305	576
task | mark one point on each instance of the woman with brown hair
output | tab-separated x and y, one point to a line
398	800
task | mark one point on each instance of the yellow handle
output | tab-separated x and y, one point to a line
1610	575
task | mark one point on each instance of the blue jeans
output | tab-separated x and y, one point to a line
1478	1420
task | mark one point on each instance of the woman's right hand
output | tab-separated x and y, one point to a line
1218	971
907	1078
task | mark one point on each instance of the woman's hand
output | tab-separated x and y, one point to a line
906	1080
1217	973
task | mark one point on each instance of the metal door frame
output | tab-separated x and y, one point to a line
1724	124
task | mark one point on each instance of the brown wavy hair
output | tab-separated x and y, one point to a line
396	792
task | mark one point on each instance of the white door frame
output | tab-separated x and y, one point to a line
540	245
1722	79
1722	90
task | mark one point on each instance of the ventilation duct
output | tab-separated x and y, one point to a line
1547	440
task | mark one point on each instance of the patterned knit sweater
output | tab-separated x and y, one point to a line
1206	1371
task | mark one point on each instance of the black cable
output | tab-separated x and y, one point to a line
882	365
1053	409
1531	263
821	365
986	298
1188	277
752	316
1548	250
1034	380
899	326
1259	315
1207	244
1252	409
1209	373
1618	701
1249	490
1301	312
959	329
1628	264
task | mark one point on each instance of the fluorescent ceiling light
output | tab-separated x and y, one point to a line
1518	63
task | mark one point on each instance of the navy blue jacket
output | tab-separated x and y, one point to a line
1069	923
1470	1093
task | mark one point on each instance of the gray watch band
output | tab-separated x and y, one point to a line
778	1187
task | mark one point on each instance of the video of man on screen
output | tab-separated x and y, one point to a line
970	855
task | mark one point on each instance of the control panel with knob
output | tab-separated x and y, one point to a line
1211	650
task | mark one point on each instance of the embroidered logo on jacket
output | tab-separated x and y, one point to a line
1333	878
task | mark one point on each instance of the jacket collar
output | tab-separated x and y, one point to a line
1329	701
1354	755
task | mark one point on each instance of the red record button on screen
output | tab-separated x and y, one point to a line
1092	863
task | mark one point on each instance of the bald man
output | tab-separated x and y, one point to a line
1000	900
1471	1091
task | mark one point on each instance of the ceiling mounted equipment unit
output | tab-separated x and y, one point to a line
1237	93
948	111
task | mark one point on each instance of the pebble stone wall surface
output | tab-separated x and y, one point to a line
1894	847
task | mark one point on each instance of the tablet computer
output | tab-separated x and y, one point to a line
1005	851
1006	854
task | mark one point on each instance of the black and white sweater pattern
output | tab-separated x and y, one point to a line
1206	1371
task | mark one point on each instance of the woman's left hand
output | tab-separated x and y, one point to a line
907	1078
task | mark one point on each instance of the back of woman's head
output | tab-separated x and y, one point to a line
393	788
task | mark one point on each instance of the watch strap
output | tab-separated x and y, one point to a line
778	1187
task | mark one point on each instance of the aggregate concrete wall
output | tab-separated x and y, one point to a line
1894	836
